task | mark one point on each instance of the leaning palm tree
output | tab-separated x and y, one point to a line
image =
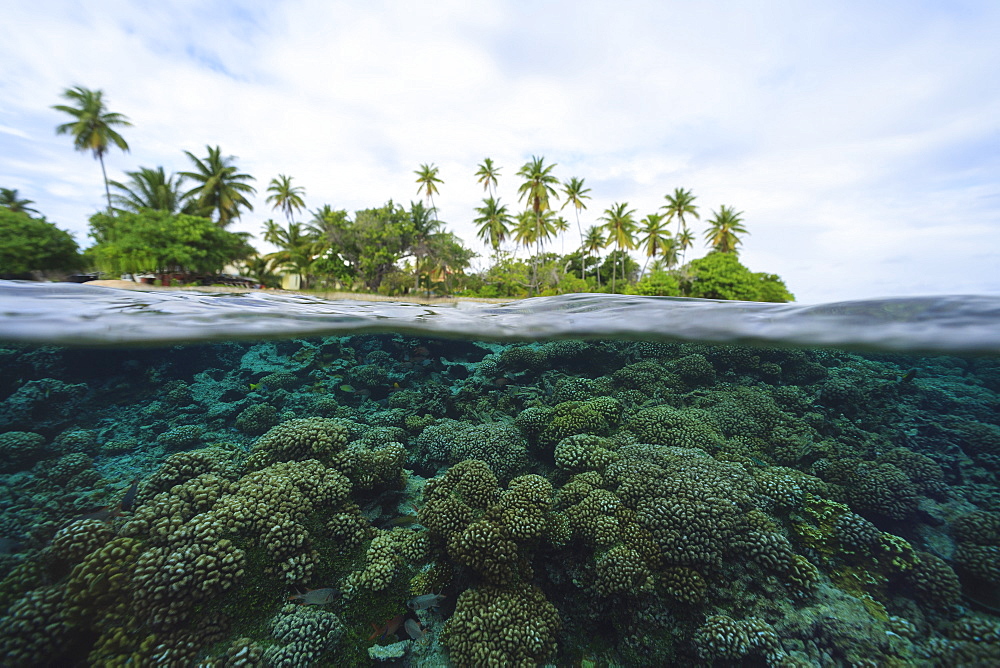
488	173
655	238
724	228
494	222
285	196
619	224
10	200
93	126
427	180
678	205
593	243
150	188
221	188
575	194
538	187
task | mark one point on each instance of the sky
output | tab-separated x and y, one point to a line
860	140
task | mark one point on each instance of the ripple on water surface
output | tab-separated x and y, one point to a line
70	314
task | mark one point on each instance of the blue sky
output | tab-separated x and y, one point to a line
860	140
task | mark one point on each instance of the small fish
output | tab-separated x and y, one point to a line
128	501
414	630
258	387
401	521
425	601
908	376
387	629
348	388
316	596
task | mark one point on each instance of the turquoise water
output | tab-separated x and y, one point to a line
193	479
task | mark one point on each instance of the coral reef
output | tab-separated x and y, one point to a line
325	501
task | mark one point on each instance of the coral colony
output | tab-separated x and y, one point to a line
381	498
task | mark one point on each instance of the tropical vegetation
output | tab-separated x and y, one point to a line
29	244
164	222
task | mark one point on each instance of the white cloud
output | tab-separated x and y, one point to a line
855	138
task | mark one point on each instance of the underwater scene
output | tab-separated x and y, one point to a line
204	480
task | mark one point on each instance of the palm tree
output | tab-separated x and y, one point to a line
328	223
93	126
150	189
297	250
10	200
723	229
620	227
425	226
285	196
559	227
427	180
575	194
679	204
488	173
525	229
593	243
494	222
538	187
221	187
685	240
655	238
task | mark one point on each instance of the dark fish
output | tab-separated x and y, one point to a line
128	501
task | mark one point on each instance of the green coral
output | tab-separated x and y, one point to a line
493	626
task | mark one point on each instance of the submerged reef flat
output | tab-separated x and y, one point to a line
390	500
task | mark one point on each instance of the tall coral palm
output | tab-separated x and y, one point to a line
575	194
93	126
678	205
619	224
221	188
150	188
655	239
10	200
487	175
538	187
685	240
494	222
593	242
724	229
427	180
285	196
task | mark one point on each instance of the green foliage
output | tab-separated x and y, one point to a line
721	276
221	188
29	244
656	284
157	241
619	264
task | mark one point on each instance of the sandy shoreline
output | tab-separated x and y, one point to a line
356	296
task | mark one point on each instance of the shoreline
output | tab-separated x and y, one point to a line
331	295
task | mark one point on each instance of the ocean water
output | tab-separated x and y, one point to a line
193	479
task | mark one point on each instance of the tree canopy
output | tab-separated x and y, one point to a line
160	242
720	275
30	244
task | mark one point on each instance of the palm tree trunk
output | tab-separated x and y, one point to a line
107	190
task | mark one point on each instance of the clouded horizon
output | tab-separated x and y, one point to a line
859	140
